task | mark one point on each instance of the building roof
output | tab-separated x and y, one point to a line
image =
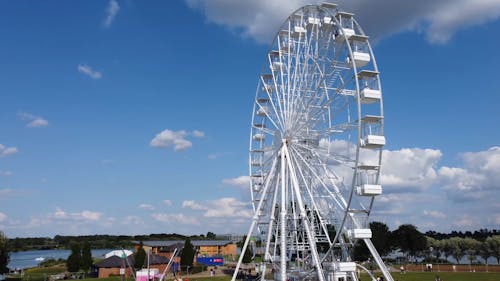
196	243
115	261
119	253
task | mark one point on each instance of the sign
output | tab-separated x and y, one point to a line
122	271
210	261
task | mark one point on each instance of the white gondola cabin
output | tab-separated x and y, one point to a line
359	233
369	190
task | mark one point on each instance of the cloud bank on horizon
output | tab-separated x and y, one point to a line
437	20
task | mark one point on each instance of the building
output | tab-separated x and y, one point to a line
204	248
113	264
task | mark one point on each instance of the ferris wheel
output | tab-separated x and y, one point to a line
316	147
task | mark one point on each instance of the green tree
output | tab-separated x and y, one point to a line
471	247
74	259
247	255
493	243
4	253
86	262
211	235
447	248
458	247
435	247
409	239
484	252
140	257
380	239
187	254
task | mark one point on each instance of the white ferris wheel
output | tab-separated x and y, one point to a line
315	147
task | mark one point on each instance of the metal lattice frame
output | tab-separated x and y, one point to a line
316	146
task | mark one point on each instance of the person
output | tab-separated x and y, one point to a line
212	272
437	278
402	269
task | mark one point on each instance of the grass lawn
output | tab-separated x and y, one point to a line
46	270
410	276
445	276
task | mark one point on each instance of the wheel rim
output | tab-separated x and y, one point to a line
316	139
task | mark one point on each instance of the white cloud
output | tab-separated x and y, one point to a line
167	202
132	220
4	192
409	169
5	173
39	122
241	181
177	139
111	12
33	121
198	134
85	215
191	204
456	15
213	156
146	207
3	217
87	70
221	208
4	151
478	177
176	218
435	214
60	214
465	221
438	20
89	215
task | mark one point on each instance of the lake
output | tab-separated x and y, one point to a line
27	259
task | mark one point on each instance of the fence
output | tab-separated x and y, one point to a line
454	267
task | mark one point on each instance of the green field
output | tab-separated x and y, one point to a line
40	274
410	276
445	276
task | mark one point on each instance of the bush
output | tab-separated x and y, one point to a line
52	262
13	278
197	269
193	269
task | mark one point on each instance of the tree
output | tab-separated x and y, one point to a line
380	239
434	246
86	257
211	235
484	252
74	259
447	248
409	239
247	255
4	253
139	257
493	243
458	248
187	254
471	249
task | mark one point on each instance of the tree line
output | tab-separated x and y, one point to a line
95	241
431	246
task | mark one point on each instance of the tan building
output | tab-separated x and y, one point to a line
112	265
205	248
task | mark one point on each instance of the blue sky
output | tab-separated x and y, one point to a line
131	117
